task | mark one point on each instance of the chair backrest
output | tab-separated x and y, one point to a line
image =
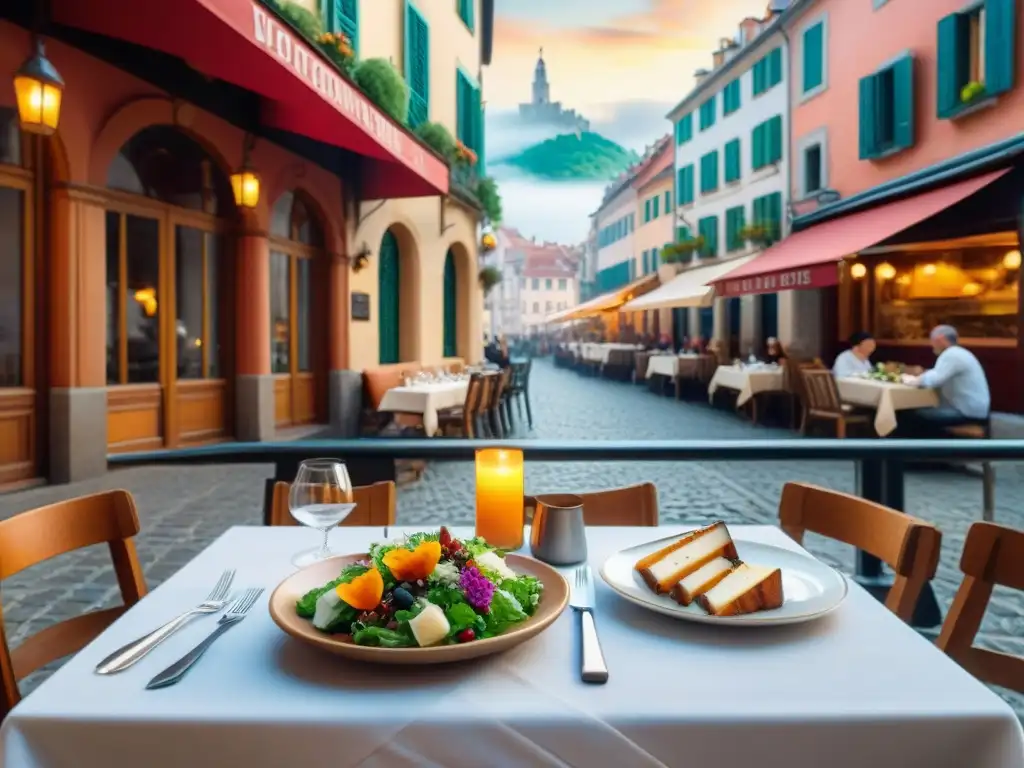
375	505
632	505
908	545
819	388
499	382
993	554
475	394
40	534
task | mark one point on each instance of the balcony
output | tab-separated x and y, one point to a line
463	183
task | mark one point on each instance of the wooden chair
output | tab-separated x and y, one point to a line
39	534
499	383
463	419
375	505
988	471
822	402
906	544
632	505
993	554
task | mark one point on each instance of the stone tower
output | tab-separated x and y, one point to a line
541	89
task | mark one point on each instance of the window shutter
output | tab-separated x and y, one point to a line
814	56
903	102
655	206
952	74
647	210
417	65
466	12
668	202
759	77
757	147
682	234
775	129
775	67
732	160
481	167
460	106
343	17
867	117
1000	58
775	216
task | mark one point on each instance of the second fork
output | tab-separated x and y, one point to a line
127	655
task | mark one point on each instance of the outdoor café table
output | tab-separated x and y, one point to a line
748	381
885	398
425	399
662	365
856	688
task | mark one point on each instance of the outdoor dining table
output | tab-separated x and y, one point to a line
673	365
885	398
855	688
746	380
425	399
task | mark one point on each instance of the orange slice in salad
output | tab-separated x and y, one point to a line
413	564
364	591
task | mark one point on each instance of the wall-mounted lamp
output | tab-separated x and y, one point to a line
361	258
857	271
1012	260
245	182
39	90
885	271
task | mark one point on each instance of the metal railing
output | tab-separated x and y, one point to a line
880	466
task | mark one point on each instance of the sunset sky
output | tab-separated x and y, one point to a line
618	62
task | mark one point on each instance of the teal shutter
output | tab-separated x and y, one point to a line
461	106
774	139
775	67
951	68
388	294
775	212
708	227
690	188
655	206
668	202
868	144
759	76
481	146
734	223
709	172
732	161
682	234
417	65
1000	45
647	210
903	103
466	13
757	147
707	114
451	303
684	128
814	56
343	17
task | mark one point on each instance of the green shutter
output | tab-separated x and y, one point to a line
451	303
461	106
707	114
952	65
732	161
757	147
868	143
814	56
647	210
481	145
417	65
774	140
691	183
1000	47
655	205
709	172
708	228
388	294
903	103
775	67
466	13
684	128
668	202
343	17
731	97
734	224
682	234
759	76
775	212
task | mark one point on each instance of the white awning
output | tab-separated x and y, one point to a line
687	289
606	302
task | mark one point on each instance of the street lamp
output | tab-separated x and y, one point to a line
245	182
38	89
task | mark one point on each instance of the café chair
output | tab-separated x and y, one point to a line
822	402
462	419
35	536
375	505
906	544
629	506
993	554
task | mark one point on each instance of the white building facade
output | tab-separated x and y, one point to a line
732	176
615	223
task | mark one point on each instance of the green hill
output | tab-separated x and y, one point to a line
572	157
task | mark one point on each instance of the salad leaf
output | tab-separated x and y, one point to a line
383	637
305	606
446	596
477	546
462	616
505	611
526	590
404	617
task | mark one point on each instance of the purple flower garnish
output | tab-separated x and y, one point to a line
478	588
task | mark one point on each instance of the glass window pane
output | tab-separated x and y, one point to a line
142	316
12	254
113	294
280	319
212	340
305	312
10	137
188	276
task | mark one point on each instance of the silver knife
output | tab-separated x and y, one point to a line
581	598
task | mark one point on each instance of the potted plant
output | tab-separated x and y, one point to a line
384	86
971	92
438	138
489	277
683	251
338	48
490	199
762	235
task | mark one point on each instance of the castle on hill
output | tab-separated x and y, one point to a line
543	111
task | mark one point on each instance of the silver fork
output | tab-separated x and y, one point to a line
235	614
127	655
581	597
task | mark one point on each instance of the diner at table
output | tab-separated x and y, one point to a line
856	360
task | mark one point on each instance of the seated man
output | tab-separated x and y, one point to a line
960	380
855	360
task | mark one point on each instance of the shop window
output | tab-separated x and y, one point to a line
280	312
976	55
197	285
887	110
10	137
133	299
12	262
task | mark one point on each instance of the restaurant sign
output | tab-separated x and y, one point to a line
814	276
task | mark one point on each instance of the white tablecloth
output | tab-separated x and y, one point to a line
747	381
598	353
426	400
857	688
885	398
672	365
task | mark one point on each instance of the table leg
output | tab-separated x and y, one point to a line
882	481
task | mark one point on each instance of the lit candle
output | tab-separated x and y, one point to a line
499	497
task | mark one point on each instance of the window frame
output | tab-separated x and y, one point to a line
22	179
810	93
818	137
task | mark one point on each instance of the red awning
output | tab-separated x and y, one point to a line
810	259
239	41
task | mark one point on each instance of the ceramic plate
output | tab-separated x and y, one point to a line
811	589
553	600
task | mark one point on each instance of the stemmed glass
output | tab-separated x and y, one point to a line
320	497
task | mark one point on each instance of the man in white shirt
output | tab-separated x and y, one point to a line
960	381
856	360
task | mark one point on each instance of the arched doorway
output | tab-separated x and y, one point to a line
389	299
168	299
451	306
297	304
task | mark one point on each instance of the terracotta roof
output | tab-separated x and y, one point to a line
549	260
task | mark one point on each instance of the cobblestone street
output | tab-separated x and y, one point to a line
184	509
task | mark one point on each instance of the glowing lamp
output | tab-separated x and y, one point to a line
245	185
971	289
1012	260
147	298
885	271
499	497
488	242
857	271
38	90
929	269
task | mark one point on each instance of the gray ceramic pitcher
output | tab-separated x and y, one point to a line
558	535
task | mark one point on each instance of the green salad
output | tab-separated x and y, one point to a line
425	589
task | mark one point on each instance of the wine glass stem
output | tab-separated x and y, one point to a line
324	549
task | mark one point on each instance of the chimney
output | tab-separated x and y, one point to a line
701	75
749	29
717	59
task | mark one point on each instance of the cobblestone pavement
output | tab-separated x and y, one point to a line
183	509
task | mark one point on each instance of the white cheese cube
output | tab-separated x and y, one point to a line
430	627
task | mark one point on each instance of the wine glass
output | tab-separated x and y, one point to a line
320	497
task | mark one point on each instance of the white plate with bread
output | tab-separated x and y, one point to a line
706	576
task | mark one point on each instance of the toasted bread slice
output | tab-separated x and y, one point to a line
701	580
663	569
746	589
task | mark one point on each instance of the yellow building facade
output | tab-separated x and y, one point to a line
655	218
